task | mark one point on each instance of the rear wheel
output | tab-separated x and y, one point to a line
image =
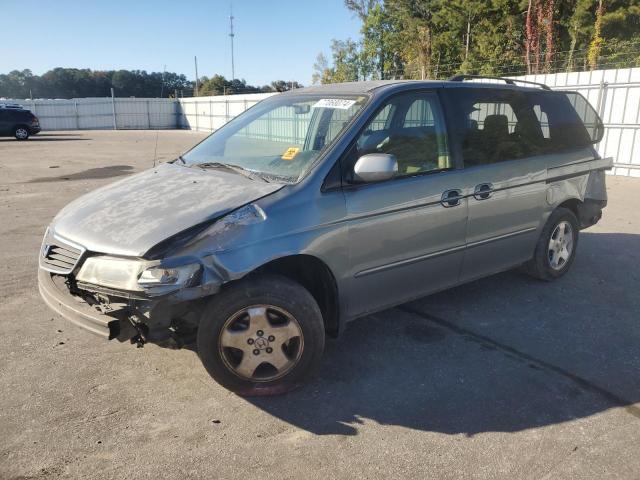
556	248
261	336
21	132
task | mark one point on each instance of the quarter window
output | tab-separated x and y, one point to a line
567	119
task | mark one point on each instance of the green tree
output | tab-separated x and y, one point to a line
378	53
347	63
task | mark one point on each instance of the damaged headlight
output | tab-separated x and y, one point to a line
137	275
161	276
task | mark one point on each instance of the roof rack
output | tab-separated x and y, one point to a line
509	81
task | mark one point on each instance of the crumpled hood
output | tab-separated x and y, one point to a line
132	215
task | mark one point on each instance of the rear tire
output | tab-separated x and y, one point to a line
556	247
263	335
21	132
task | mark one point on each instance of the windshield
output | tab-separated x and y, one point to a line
278	139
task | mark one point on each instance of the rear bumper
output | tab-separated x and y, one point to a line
590	212
34	130
74	309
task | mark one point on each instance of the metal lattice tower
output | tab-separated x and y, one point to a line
231	34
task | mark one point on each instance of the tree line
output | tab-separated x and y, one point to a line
79	83
219	85
440	38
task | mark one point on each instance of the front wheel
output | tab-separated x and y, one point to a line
556	248
261	336
21	133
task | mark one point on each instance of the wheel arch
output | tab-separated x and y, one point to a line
314	275
588	211
573	204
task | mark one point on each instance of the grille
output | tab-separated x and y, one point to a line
60	257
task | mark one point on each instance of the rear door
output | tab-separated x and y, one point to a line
404	240
500	142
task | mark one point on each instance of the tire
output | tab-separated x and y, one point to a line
550	261
254	322
21	132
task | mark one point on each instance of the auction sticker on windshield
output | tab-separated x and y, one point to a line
290	153
341	103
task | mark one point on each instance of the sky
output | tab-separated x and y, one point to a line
275	40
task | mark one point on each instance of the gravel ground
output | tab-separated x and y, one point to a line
501	378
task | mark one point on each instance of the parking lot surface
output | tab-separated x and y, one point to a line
503	378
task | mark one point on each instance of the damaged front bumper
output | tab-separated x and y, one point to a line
123	315
57	296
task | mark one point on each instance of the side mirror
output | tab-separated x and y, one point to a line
375	167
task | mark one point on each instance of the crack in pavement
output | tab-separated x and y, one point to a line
482	339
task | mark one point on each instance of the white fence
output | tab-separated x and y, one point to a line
615	94
210	113
198	113
104	113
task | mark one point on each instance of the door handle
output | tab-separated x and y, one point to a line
483	191
451	198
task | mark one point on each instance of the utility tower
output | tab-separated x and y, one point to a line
231	34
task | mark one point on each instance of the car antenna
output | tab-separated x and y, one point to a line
155	149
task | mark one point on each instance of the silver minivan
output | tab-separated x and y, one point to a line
322	205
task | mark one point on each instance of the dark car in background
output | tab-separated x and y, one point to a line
18	122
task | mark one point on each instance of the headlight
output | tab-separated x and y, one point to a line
112	272
137	275
160	276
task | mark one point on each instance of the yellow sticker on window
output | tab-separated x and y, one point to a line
290	153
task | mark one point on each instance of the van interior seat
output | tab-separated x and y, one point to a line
497	143
496	127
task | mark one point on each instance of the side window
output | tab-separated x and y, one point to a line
419	114
567	119
413	130
494	125
493	111
379	122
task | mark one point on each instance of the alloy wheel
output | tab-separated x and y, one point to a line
560	245
261	343
21	133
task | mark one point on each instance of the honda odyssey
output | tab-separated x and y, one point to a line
322	205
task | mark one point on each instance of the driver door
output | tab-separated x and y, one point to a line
405	240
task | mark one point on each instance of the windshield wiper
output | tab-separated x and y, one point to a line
250	174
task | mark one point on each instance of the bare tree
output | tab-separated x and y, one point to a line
361	7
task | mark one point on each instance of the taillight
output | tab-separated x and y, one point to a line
34	121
